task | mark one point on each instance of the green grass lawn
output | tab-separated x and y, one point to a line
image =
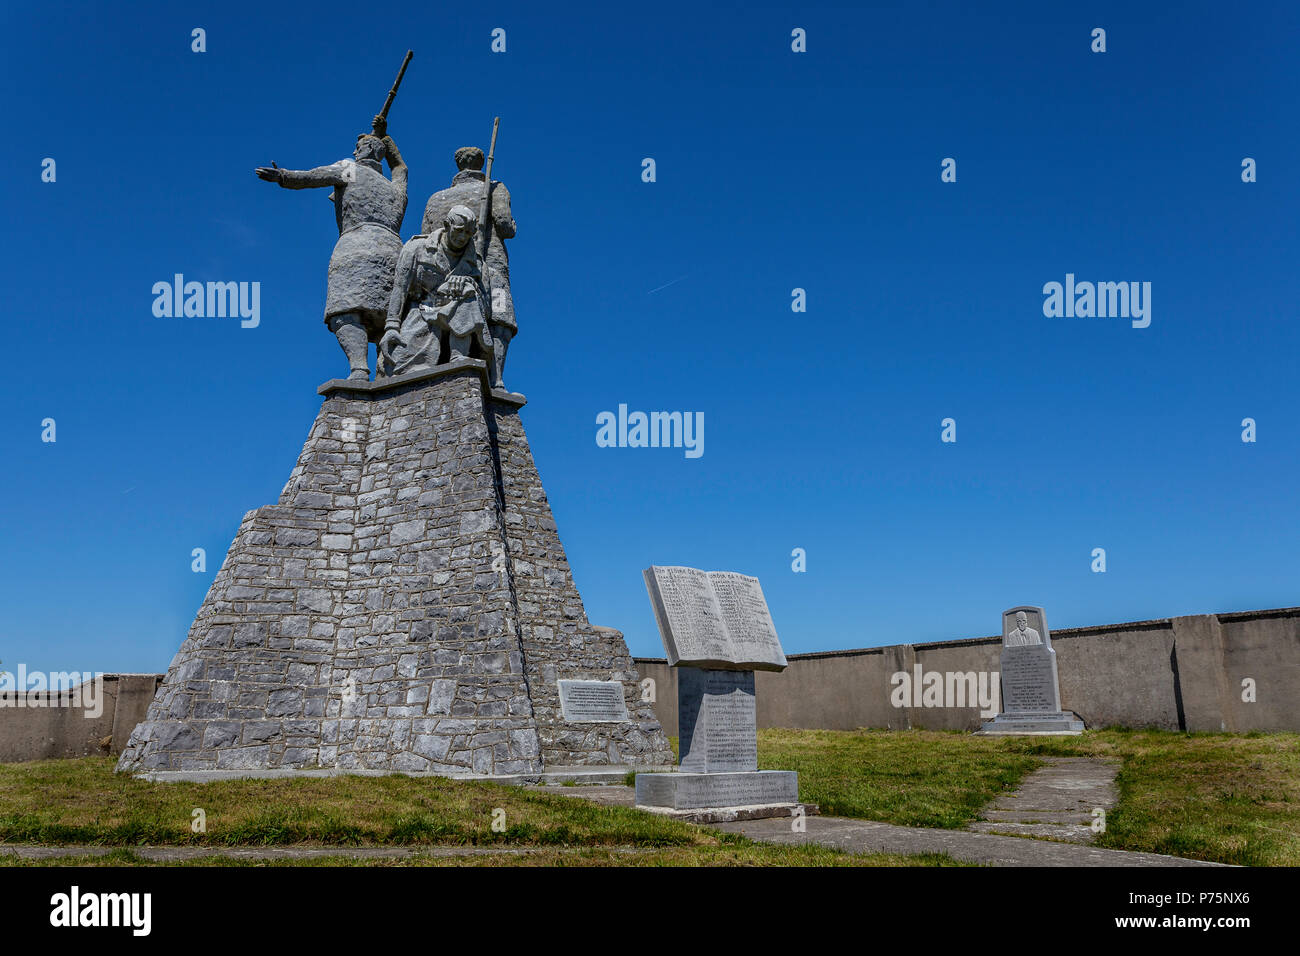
1230	798
60	802
83	801
915	778
732	852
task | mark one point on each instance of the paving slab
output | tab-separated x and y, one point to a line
605	795
867	836
1058	801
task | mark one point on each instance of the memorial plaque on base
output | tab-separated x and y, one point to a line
592	701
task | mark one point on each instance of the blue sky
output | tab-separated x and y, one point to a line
775	170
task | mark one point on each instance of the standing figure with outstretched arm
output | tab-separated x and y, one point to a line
369	209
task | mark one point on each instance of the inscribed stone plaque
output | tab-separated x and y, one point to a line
713	619
592	701
748	621
716	720
1029	678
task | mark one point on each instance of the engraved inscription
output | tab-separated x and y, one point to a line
1028	681
716	619
592	701
745	614
717	789
717	720
692	613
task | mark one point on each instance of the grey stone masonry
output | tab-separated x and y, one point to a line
405	606
559	642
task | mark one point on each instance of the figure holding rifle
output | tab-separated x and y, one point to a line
368	209
469	187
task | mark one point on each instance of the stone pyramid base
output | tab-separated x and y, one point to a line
406	606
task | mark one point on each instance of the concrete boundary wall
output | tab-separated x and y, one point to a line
44	725
1181	673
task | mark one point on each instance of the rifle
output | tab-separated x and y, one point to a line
383	115
392	94
484	235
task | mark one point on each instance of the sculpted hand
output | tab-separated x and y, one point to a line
380	126
453	287
272	174
390	341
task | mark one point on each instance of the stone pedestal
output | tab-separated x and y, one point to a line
719	753
405	606
690	791
1051	722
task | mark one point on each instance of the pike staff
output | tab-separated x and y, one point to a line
483	224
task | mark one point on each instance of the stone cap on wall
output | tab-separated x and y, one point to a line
1064	633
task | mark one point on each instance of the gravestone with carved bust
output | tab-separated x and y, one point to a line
1031	694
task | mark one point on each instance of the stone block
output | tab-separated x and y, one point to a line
688	791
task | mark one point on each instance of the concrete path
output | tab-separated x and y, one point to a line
866	836
1059	801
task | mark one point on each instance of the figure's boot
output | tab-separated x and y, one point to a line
458	347
501	341
355	344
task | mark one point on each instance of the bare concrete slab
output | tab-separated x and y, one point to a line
759	811
624	796
1059	801
865	836
605	795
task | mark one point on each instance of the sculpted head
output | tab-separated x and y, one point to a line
469	157
369	147
1021	621
458	226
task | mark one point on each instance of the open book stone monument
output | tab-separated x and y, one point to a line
1031	695
717	631
407	604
